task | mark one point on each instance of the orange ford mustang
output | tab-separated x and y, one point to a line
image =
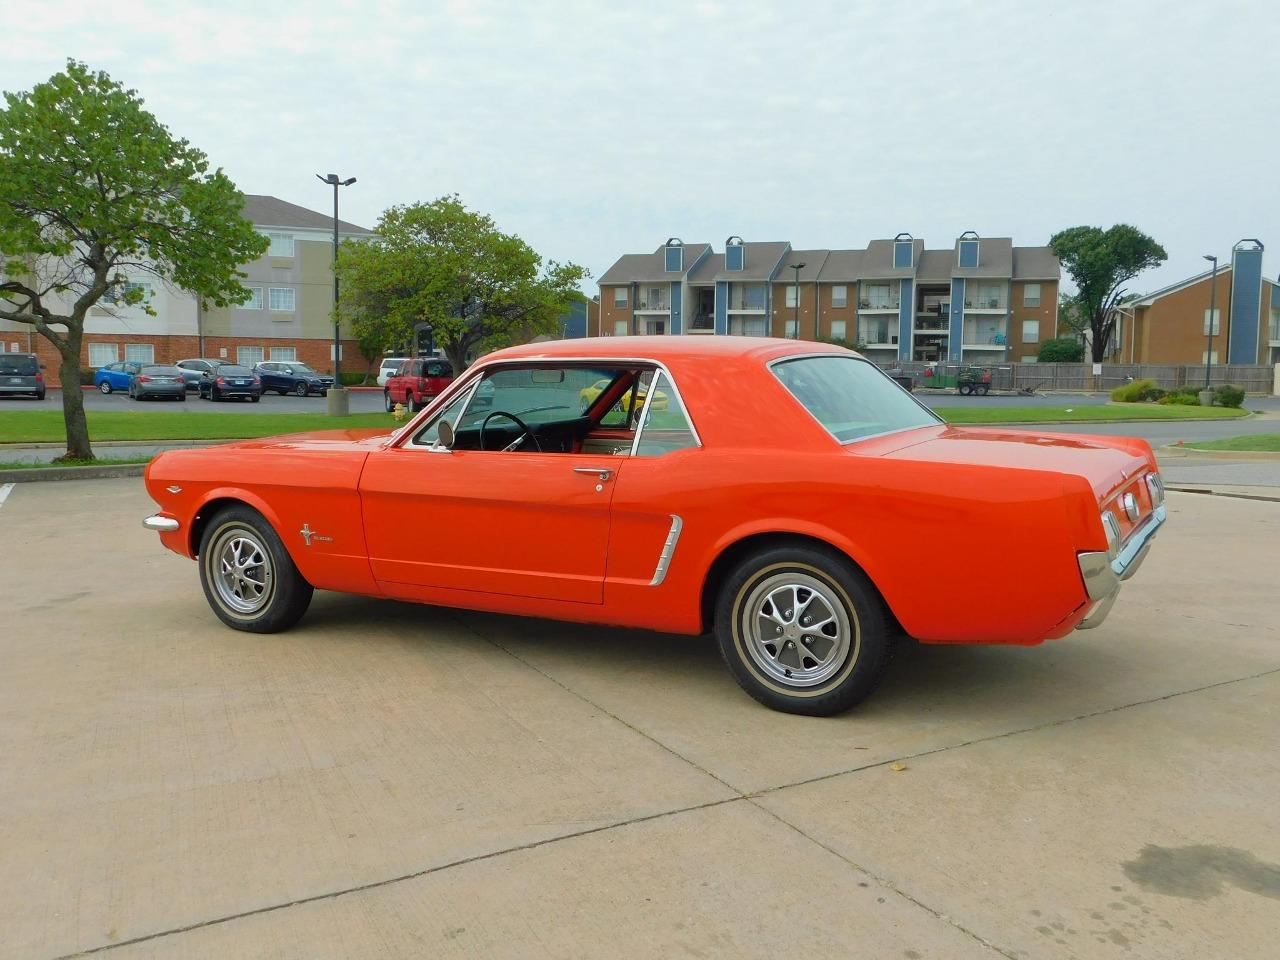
791	498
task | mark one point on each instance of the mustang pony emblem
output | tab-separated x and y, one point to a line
308	535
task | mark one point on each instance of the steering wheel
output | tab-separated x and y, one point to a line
518	422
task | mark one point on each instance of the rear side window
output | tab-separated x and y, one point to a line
666	426
851	397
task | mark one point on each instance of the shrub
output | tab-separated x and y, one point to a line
1135	392
1180	399
1229	396
86	375
352	379
1061	350
1188	390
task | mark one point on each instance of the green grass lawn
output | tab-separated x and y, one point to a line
104	462
1263	442
1083	414
45	426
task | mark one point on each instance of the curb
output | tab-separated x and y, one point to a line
1192	453
1207	492
109	472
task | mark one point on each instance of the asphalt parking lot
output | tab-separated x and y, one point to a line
388	780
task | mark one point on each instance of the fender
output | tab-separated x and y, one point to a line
247	497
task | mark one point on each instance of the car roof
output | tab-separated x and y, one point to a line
663	348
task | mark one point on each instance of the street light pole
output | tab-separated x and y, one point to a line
338	405
1213	292
797	267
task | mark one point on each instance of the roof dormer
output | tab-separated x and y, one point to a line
967	250
735	254
904	252
674	254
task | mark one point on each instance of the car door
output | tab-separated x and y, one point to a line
271	375
120	374
519	523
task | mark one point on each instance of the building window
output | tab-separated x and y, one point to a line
1030	331
340	346
100	354
747	326
140	352
968	253
120	292
248	356
903	253
840	295
283	299
255	299
1206	357
792	330
1031	294
284	354
619	296
793	295
1217	322
619	328
655	328
837	329
281	244
878	296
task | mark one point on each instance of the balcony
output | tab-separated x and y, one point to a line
985	334
984	298
927	323
880	333
1273	332
746	298
653	301
703	323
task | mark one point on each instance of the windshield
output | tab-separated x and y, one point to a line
851	397
303	369
537	395
19	366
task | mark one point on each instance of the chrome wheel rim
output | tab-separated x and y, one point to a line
796	629
241	571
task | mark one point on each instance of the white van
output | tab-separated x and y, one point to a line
388	369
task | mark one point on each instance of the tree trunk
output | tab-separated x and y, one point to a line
73	398
457	354
1098	343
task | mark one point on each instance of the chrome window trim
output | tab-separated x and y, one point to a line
466	395
668	551
861	359
480	370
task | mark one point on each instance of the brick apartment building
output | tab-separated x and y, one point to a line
1170	325
288	316
981	300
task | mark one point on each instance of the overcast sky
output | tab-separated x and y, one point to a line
596	129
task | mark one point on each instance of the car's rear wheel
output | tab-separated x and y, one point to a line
803	630
386	400
300	389
104	387
249	578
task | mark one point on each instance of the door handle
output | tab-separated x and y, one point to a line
601	472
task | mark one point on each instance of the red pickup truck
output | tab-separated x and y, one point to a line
417	382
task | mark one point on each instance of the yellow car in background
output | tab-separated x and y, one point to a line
588	396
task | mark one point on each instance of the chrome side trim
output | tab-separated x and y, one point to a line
644	412
161	524
668	551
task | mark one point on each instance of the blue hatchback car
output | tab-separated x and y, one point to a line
115	376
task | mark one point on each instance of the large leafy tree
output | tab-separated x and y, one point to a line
451	267
95	192
1101	262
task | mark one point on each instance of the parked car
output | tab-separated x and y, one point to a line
289	377
194	369
387	369
789	514
229	381
21	374
636	397
417	382
157	380
115	376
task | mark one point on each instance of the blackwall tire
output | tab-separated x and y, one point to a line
248	577
802	630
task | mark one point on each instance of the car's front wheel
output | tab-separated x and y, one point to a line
249	578
104	387
803	630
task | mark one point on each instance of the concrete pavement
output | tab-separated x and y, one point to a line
388	780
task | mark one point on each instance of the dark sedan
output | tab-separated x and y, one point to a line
157	380
230	380
195	368
289	377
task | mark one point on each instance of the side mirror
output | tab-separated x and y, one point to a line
444	434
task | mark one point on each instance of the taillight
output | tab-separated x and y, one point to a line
222	382
257	382
39	378
144	379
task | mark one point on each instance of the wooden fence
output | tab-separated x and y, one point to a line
1252	378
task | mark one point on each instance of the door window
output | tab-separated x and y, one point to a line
666	426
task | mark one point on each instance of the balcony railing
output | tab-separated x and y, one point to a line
985	300
931	323
662	302
703	323
1273	331
747	298
877	333
985	333
879	303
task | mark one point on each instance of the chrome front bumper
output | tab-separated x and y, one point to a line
1103	576
161	524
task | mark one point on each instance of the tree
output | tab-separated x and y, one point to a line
1061	350
1101	262
451	267
94	192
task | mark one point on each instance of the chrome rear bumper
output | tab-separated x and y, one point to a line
1103	576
